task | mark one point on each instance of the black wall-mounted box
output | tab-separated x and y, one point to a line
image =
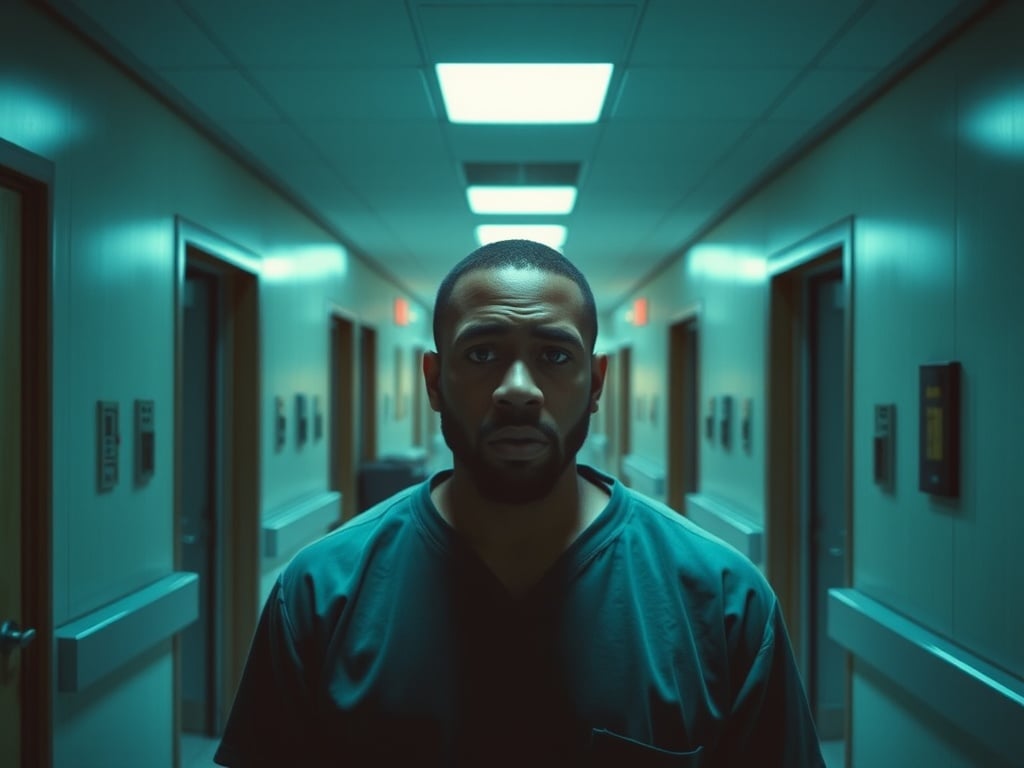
939	427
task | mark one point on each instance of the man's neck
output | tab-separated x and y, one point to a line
519	542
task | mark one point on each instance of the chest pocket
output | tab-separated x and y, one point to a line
610	750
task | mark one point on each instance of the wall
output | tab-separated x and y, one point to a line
932	175
125	166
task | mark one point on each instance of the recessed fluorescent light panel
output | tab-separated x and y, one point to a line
552	235
549	200
524	93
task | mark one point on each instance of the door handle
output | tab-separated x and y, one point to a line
12	637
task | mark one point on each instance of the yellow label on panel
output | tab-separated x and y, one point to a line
933	392
933	434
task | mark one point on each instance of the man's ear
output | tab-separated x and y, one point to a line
598	369
432	378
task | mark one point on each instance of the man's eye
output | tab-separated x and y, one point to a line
556	356
480	354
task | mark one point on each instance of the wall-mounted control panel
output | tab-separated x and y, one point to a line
145	441
318	418
108	444
726	421
939	428
884	460
301	419
746	424
280	424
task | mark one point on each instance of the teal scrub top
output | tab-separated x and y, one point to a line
648	643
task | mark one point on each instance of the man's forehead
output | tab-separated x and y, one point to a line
514	297
514	284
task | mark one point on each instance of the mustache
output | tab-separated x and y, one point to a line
490	427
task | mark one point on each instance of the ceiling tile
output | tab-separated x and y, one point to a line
158	33
269	34
356	93
661	93
523	143
737	33
223	94
395	145
526	32
820	92
612	186
885	30
747	161
677	144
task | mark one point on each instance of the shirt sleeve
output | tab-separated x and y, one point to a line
271	716
770	722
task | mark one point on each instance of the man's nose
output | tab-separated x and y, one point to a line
518	389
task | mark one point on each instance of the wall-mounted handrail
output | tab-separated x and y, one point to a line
980	698
720	518
299	522
96	644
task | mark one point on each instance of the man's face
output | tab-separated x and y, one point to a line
514	380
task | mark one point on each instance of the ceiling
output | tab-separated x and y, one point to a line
336	102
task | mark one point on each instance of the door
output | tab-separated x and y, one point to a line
808	443
25	467
200	518
683	429
624	410
342	436
10	472
826	514
368	393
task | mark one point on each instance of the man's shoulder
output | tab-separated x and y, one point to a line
341	550
694	548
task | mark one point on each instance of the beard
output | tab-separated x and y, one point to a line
511	482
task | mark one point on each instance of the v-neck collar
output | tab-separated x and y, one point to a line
601	531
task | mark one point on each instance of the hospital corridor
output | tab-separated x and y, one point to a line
223	226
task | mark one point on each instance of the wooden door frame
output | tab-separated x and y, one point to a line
787	271
368	356
677	423
239	270
342	437
624	406
33	178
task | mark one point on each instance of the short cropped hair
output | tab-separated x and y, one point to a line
517	254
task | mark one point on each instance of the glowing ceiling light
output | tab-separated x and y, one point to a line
524	93
551	235
550	200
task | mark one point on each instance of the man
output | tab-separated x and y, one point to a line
519	609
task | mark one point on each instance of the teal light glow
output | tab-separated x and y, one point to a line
728	263
997	124
35	120
312	262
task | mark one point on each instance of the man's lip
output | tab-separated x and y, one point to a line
517	434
